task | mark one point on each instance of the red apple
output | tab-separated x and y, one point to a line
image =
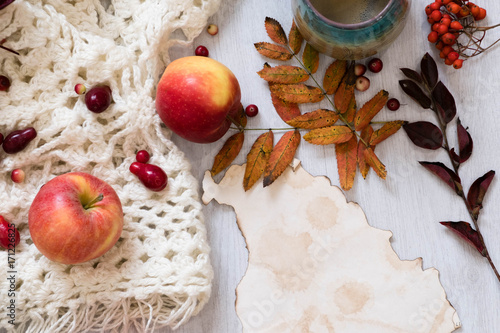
197	97
75	217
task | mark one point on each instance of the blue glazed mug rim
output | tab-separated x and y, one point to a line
351	26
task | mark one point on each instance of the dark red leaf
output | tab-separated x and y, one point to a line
465	231
429	70
478	190
445	102
424	134
465	143
412	75
446	174
416	93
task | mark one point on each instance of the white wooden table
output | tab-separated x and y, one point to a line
410	202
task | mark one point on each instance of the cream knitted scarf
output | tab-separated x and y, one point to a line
159	273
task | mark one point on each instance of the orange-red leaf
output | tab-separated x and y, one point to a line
228	153
285	110
297	93
351	110
373	161
314	119
281	156
273	51
284	74
345	91
275	31
366	134
310	58
329	135
386	131
370	110
257	159
241	117
333	76
346	162
295	38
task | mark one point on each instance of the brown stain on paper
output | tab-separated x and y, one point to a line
287	257
352	297
322	213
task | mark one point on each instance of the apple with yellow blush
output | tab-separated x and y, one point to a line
198	98
75	217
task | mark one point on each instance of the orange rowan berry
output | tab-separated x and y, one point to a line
442	55
443	2
474	10
456	25
445	21
442	29
430	20
428	10
453	8
464	11
435	5
482	14
452	55
439	45
435	27
447	16
436	15
447	49
458	63
449	38
433	37
448	62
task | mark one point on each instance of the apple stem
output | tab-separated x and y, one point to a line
96	200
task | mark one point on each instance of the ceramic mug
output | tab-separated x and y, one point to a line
350	37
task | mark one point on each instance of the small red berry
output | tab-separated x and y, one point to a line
439	45
80	89
362	83
428	10
142	156
251	110
201	51
448	62
212	29
393	104
433	37
4	83
435	26
17	176
442	29
447	49
458	63
375	65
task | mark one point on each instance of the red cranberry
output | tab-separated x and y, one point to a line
17	176
359	69
142	156
393	104
18	140
4	83
9	236
362	83
201	51
252	110
150	175
375	65
98	98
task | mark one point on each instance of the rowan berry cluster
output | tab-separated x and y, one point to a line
449	19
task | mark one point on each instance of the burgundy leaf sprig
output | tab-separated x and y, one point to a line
430	93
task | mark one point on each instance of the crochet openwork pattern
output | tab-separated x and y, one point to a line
159	272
